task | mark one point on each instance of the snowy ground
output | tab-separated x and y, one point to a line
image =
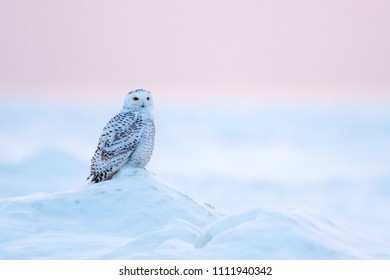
289	182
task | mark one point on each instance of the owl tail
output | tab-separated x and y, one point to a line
95	178
98	177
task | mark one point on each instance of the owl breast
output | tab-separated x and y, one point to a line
142	154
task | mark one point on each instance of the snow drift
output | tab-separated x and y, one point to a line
137	216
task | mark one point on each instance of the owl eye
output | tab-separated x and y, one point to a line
147	98
135	98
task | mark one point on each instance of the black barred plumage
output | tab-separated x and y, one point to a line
128	138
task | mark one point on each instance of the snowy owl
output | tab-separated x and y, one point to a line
127	139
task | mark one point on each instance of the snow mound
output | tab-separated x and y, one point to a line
87	223
286	234
137	216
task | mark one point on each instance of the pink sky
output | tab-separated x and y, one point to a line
195	47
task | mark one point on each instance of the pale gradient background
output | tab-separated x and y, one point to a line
322	143
267	48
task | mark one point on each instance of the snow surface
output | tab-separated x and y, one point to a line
136	216
286	183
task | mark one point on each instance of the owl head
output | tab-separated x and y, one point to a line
138	98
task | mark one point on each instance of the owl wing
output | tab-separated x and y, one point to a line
116	144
